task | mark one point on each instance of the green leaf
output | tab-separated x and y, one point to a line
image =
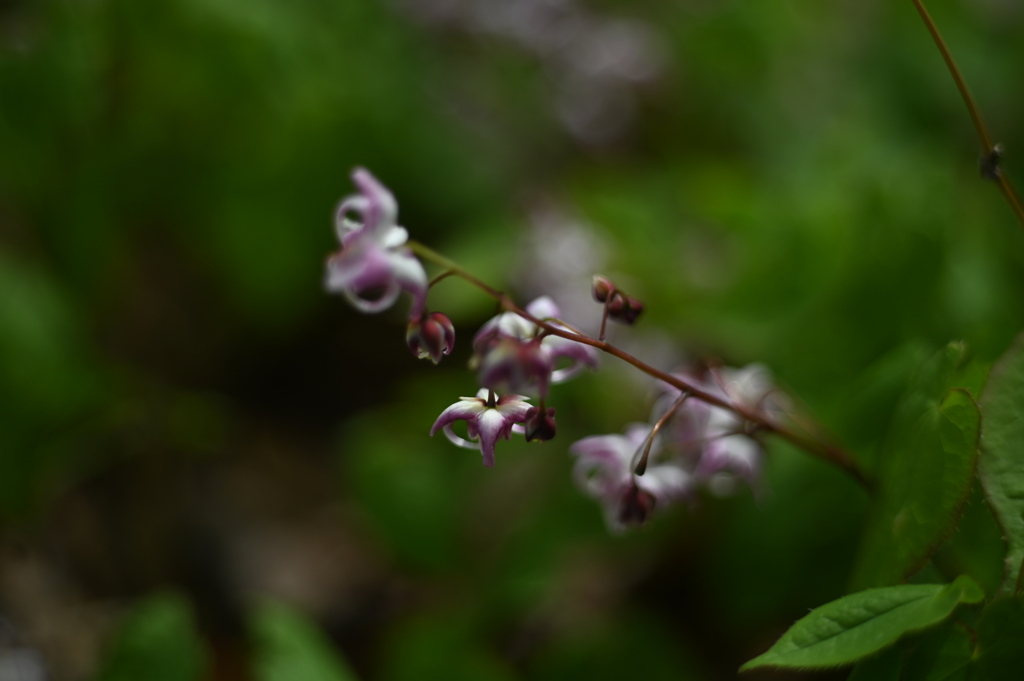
1001	466
885	666
844	631
941	654
1000	635
928	466
156	641
290	648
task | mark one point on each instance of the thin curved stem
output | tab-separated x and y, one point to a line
961	85
816	447
641	465
439	278
989	149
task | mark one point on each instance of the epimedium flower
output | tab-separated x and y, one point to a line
729	453
430	336
373	265
748	388
719	444
510	364
488	418
604	471
513	354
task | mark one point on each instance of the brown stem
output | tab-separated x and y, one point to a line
441	277
987	145
604	316
816	447
641	465
972	108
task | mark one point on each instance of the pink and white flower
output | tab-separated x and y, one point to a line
488	418
719	444
514	354
373	267
604	471
729	453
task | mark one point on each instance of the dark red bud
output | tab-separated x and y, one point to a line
540	425
431	336
602	288
625	309
637	506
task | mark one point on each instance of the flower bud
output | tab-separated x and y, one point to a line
636	506
430	336
540	424
624	308
602	288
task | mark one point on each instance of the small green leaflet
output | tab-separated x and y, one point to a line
1001	465
844	631
928	467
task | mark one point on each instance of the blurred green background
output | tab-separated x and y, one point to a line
210	469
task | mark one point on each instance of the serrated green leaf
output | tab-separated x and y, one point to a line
855	626
928	467
1001	465
290	648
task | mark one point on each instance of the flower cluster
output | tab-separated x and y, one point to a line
705	436
513	352
515	355
691	445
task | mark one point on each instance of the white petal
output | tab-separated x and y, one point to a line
543	308
394	237
457	440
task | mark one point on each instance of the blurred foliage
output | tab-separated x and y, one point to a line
156	641
797	186
288	648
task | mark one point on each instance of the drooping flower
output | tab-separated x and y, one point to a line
604	471
540	424
749	388
718	443
488	418
373	267
514	354
729	453
430	336
510	364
